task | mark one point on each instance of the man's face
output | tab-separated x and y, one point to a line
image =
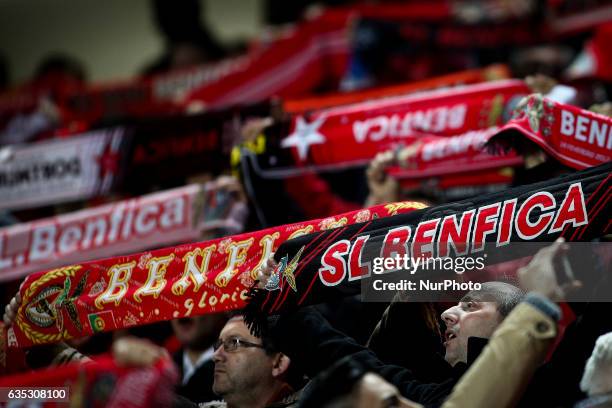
198	332
469	318
373	391
240	370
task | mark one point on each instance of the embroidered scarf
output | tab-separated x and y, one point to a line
164	284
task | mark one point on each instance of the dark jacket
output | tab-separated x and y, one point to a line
199	387
307	338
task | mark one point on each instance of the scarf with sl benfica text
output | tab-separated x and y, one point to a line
333	263
124	291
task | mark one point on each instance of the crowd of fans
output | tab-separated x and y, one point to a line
514	343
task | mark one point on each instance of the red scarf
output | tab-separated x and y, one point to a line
354	133
576	137
124	291
150	221
102	383
439	155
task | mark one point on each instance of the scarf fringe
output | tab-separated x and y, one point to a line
254	317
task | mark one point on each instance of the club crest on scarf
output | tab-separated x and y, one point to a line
48	306
285	270
274	280
191	279
45	301
538	112
575	137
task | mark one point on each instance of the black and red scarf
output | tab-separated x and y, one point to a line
333	263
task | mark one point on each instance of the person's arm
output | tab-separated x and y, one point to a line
314	345
53	355
514	351
425	356
383	188
47	355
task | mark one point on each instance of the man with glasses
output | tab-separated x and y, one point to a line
249	371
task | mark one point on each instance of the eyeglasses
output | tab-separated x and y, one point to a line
233	343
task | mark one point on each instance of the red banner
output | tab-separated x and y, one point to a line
576	137
146	222
193	279
355	132
440	155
